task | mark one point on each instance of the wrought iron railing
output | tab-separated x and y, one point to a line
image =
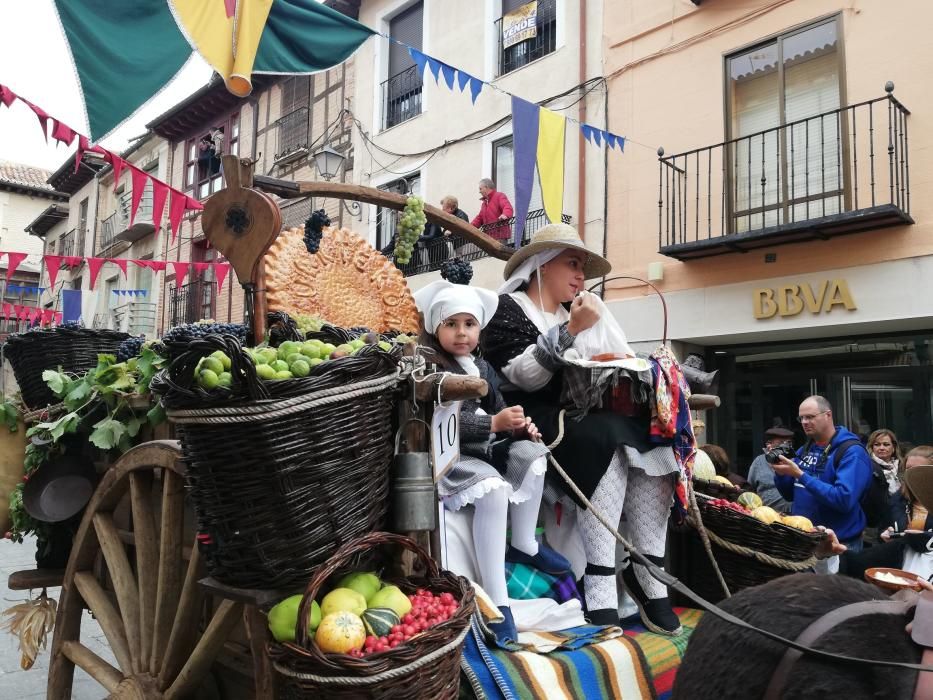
428	256
66	244
524	52
848	160
108	229
192	302
401	97
292	133
135	318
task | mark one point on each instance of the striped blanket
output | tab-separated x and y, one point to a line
590	662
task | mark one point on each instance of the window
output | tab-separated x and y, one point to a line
532	48
387	218
293	125
503	168
401	92
82	226
203	153
786	161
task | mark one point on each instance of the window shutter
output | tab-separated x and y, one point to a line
295	93
407	28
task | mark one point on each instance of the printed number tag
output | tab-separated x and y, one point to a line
445	437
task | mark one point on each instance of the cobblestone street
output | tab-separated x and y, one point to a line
30	685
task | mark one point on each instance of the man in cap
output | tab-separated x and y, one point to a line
760	474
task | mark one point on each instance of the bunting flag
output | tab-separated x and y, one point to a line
151	40
63	133
525	124
121	263
220	274
117	163
181	270
7	310
71	304
12	262
176	210
94	265
52	265
140	179
551	127
200	267
159	195
450	73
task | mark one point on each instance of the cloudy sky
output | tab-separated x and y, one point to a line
35	63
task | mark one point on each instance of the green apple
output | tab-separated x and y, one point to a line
270	355
393	598
213	364
344	600
284	374
315	361
300	368
283	618
365	583
293	357
222	356
327	349
311	351
225	379
208	379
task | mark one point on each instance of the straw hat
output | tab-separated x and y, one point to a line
559	236
920	482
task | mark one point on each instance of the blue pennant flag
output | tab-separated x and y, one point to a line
587	132
463	78
435	67
597	136
476	85
419	58
449	73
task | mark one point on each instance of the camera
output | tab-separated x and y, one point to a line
774	456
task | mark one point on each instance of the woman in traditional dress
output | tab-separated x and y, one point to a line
611	457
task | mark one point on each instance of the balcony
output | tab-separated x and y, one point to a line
844	171
66	244
401	97
116	228
292	137
191	302
524	52
135	318
430	255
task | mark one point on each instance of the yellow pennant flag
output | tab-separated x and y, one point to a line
551	126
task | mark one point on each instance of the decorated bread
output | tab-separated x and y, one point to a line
347	282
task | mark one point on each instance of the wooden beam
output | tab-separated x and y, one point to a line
96	667
99	604
124	583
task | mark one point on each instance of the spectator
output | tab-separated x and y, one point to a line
912	551
885	450
760	476
826	480
722	464
495	208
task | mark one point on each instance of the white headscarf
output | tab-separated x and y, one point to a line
440	300
522	274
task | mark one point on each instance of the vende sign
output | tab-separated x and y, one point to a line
791	299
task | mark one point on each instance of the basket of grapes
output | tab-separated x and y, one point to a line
68	347
293	439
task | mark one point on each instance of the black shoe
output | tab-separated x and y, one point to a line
656	613
604	617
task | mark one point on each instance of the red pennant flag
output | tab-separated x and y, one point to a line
13	261
52	263
192	204
58	317
7	96
34	314
220	274
7	310
176	210
73	260
22	312
159	195
181	269
47	316
43	118
116	162
62	133
94	265
157	265
200	267
139	184
121	263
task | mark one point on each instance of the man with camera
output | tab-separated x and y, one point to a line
828	476
778	442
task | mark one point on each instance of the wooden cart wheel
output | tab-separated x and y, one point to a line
151	618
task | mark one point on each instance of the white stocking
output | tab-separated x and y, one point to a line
600	544
524	515
489	525
647	507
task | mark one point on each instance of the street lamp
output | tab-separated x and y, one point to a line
328	161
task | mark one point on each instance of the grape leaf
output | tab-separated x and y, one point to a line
55	380
68	423
77	394
156	414
133	425
107	433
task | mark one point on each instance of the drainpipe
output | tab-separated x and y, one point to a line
581	115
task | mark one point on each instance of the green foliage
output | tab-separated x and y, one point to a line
10	414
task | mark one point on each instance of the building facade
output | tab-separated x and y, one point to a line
784	220
414	135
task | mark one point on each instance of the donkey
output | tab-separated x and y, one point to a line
724	662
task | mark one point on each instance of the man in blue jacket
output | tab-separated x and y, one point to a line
824	486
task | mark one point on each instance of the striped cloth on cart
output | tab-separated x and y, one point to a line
664	653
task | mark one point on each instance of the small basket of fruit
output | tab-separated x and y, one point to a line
352	635
281	469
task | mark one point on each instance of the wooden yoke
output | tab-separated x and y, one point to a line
242	223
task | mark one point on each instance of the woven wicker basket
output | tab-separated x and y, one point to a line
75	350
282	473
426	666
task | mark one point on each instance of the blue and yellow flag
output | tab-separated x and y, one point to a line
126	52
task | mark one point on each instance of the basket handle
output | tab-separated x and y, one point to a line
398	433
657	291
346	552
241	364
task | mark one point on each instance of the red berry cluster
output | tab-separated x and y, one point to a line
427	610
723	503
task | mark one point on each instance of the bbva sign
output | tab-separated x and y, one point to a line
791	299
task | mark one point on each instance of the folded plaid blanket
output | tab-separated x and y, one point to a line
528	583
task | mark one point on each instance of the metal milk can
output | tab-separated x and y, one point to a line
413	499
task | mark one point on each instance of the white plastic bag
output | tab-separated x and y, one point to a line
605	336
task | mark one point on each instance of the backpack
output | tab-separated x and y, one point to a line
875	502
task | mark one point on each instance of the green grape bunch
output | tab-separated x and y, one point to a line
410	227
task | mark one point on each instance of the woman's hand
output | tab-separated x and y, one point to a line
529	431
886	535
583	314
511	418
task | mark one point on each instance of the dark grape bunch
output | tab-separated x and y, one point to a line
410	227
190	331
130	348
71	325
314	227
457	271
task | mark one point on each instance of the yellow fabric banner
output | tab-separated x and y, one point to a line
551	127
228	42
